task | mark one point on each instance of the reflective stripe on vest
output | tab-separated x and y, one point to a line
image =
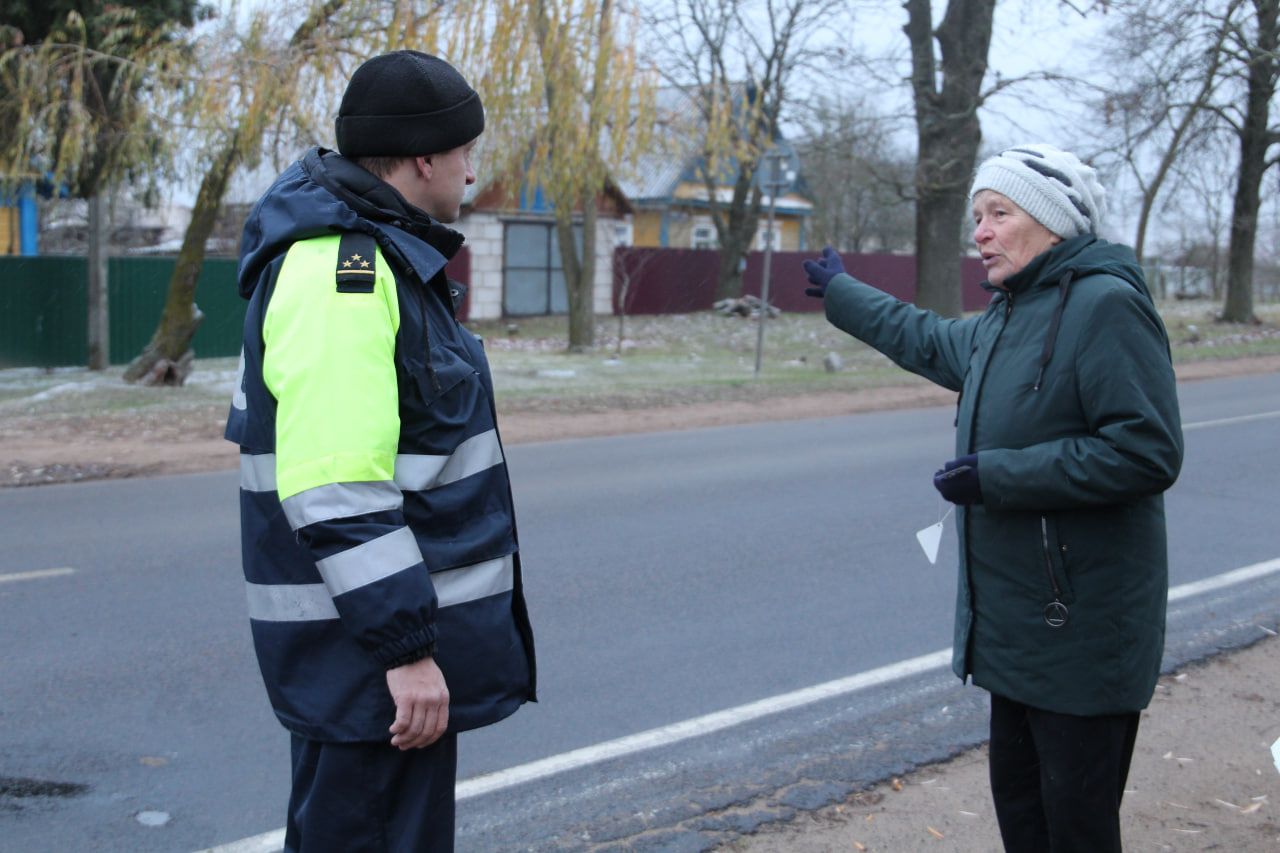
312	601
370	562
341	500
416	472
258	473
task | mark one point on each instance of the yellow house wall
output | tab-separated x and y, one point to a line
646	228
790	237
10	239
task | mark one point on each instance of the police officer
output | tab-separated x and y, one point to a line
379	542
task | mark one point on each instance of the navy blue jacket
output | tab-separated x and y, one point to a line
350	576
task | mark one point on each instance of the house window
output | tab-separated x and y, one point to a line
766	239
533	276
622	235
704	237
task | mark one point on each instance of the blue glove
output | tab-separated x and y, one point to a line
821	272
958	481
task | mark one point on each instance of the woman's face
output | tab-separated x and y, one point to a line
1006	235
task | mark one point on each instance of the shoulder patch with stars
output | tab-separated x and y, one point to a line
356	256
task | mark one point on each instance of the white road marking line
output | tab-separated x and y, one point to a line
1247	573
698	726
1261	416
269	842
35	575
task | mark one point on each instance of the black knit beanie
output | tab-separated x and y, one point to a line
407	104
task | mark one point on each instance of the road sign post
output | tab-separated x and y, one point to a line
778	177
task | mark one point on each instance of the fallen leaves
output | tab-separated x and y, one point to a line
1249	809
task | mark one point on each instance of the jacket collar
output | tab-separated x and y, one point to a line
1049	265
423	244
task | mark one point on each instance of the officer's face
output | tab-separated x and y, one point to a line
446	177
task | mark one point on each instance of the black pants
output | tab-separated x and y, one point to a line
1057	779
350	797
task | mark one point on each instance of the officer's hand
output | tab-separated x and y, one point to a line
422	704
821	271
958	481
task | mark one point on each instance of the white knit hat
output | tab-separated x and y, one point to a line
1059	191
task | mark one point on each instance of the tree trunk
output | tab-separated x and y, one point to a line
1255	138
732	263
735	229
99	332
622	273
166	359
948	135
579	276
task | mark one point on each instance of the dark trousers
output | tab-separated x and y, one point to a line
1057	779
350	797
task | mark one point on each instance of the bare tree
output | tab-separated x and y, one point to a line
1203	239
1168	62
739	61
947	94
628	265
860	186
1253	44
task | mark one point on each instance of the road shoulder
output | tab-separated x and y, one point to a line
1202	778
106	445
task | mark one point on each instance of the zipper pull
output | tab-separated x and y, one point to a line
1055	614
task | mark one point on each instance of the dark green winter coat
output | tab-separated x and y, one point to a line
1067	397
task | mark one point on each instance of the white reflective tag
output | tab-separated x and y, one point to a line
931	537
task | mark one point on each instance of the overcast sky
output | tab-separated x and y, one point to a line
1029	36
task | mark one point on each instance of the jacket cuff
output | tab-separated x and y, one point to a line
406	650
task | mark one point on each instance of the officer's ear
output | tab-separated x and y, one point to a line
424	166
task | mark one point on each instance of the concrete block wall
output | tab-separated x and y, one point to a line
484	237
606	240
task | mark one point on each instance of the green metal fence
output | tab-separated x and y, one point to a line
44	315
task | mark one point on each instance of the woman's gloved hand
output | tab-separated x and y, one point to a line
958	481
821	271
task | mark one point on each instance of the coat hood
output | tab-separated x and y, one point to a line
325	193
1066	263
1080	256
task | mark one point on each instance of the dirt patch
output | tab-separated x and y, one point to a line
38	450
1202	778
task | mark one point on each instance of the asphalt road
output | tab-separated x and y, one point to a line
669	576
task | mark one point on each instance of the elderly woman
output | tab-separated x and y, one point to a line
1067	435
